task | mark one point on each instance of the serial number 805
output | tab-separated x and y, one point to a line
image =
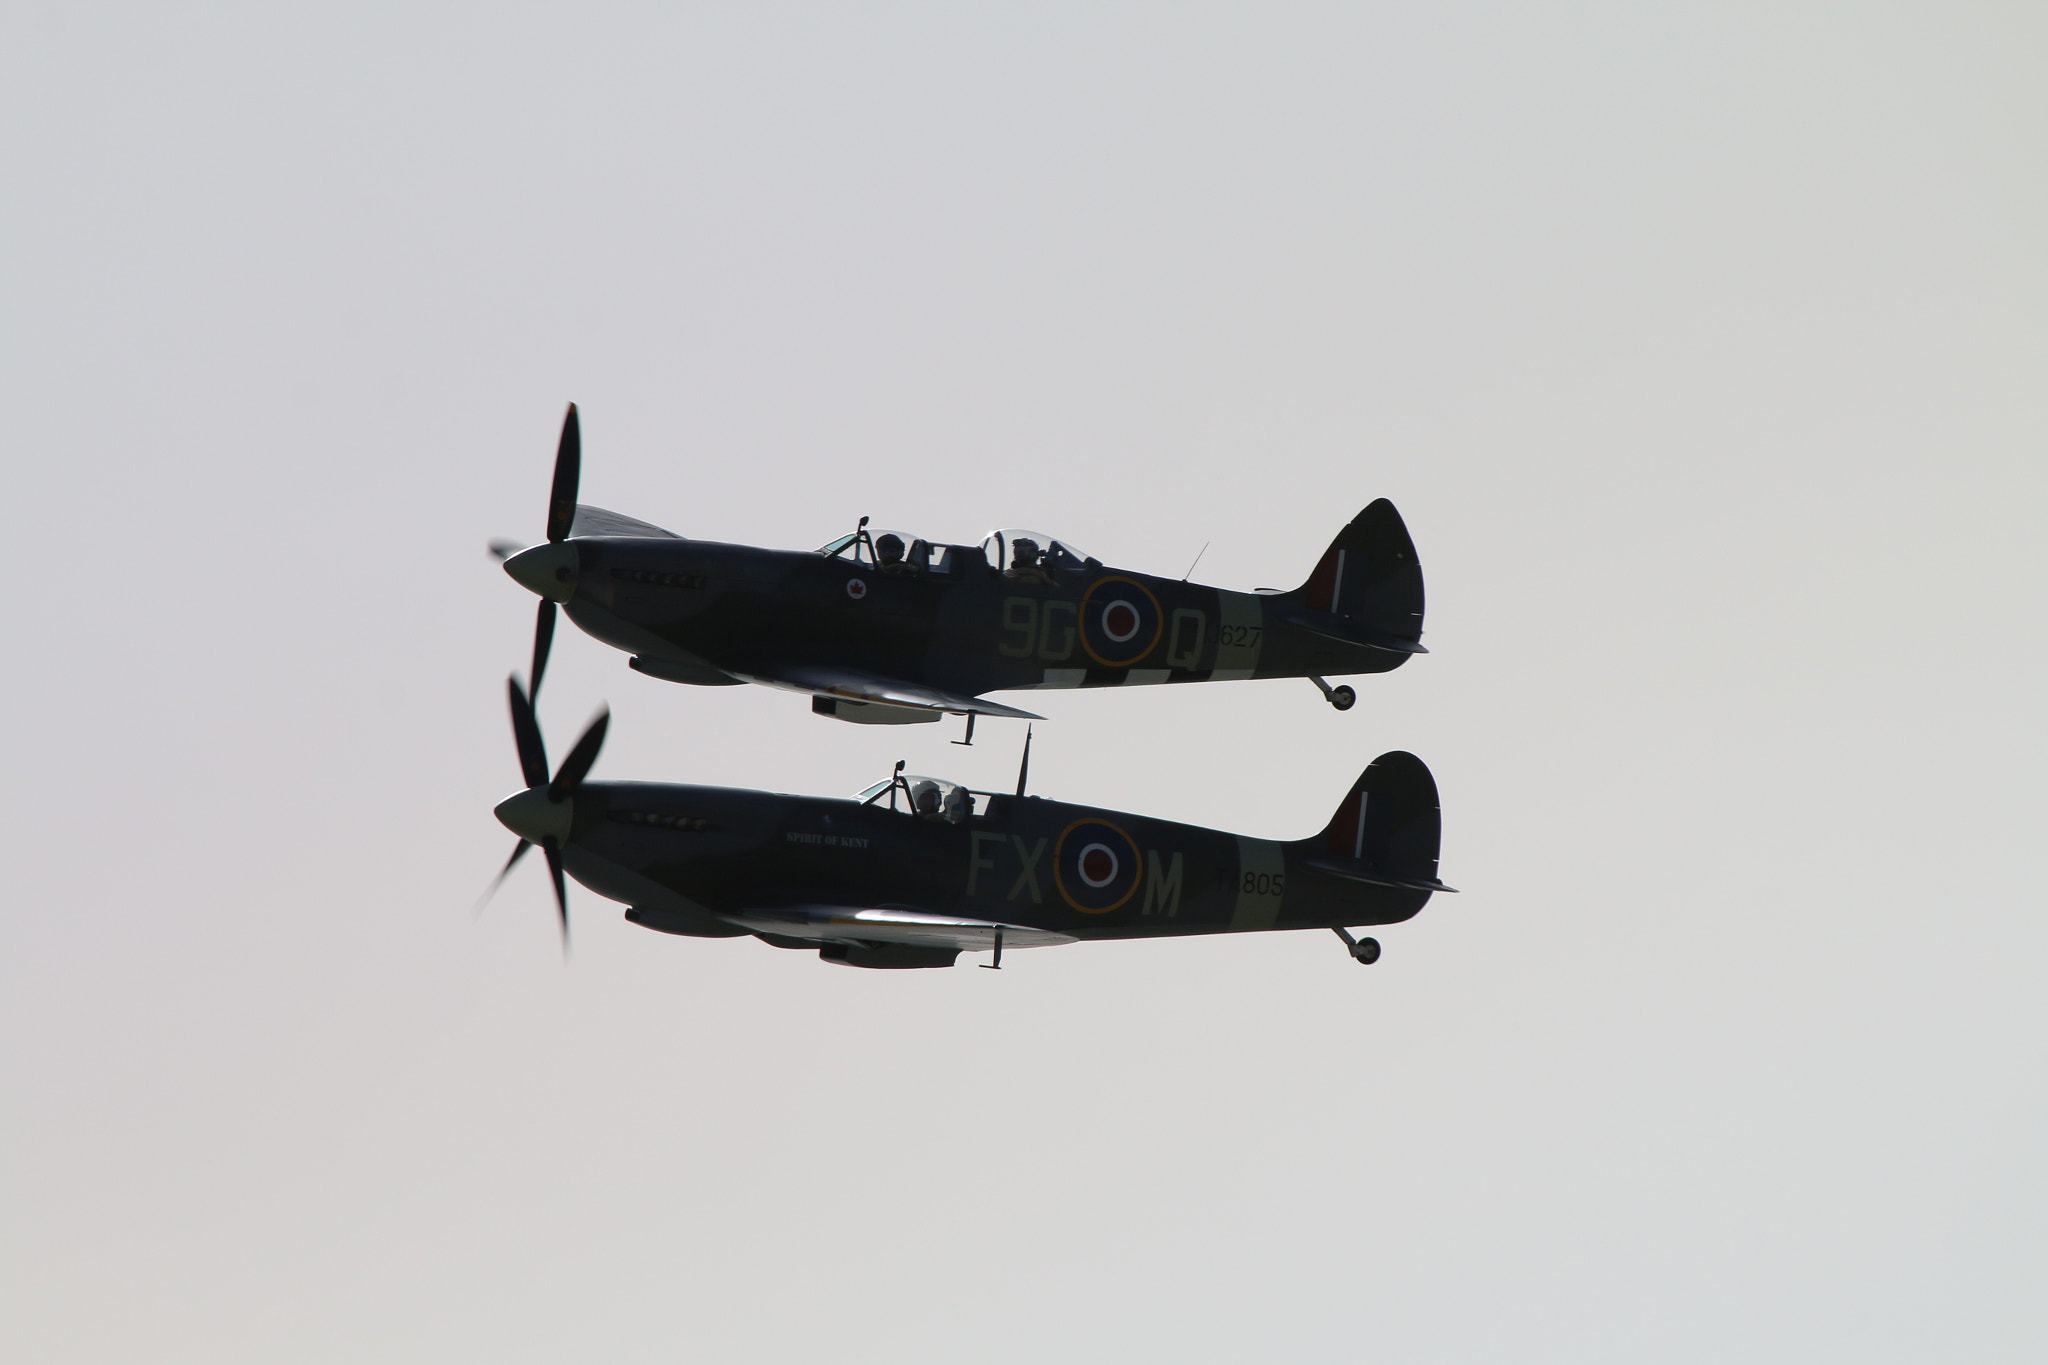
1264	883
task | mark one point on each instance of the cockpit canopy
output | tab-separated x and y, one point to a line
932	798
890	552
1017	554
1032	556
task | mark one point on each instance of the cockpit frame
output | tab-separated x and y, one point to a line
1034	557
892	552
929	798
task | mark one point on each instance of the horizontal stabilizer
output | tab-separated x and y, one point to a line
1333	627
853	685
880	924
1352	870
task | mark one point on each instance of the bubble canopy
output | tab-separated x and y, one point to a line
860	545
934	798
885	549
1017	552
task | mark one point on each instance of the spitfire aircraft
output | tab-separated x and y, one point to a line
887	628
915	870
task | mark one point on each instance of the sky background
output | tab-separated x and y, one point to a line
1702	347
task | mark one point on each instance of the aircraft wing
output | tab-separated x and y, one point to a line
876	690
596	521
883	924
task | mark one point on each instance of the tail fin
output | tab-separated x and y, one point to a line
1388	828
1370	575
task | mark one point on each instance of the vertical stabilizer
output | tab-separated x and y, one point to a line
1387	829
1370	576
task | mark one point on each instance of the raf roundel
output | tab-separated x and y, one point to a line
1120	621
1096	866
856	588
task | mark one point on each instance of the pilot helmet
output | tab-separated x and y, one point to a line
889	549
956	805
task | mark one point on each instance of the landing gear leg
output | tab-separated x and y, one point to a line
1365	951
1343	698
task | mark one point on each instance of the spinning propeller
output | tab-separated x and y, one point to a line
550	569
543	813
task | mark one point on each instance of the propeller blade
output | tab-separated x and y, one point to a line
543	640
561	889
502	549
568	469
533	755
518	852
577	765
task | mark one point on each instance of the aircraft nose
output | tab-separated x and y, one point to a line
534	818
547	570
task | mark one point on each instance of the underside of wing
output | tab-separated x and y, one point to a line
882	924
850	684
596	521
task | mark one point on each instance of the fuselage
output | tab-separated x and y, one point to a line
701	611
683	856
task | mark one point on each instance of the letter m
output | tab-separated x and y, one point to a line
1162	886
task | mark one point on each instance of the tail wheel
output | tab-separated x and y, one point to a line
1367	952
1343	698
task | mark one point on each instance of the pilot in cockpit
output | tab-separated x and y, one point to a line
1027	563
889	553
941	801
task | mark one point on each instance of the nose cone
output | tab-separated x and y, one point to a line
534	818
547	570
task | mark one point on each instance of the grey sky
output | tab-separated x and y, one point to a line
1702	348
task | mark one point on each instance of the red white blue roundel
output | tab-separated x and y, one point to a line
1096	866
1120	621
856	588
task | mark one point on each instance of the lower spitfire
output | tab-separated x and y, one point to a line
915	870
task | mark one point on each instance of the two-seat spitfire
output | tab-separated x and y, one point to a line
887	629
884	628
